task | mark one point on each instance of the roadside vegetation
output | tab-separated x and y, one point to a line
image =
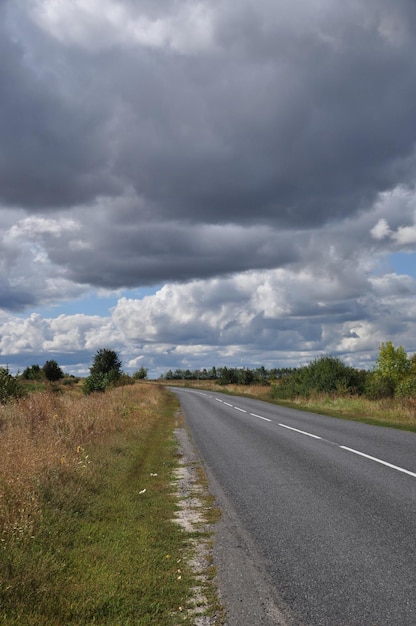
86	497
86	509
385	395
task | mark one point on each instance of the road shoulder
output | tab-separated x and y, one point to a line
246	595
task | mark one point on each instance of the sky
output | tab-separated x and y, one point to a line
213	182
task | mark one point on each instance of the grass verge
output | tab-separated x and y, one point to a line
89	537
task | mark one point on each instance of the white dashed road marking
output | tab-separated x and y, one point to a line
266	419
303	432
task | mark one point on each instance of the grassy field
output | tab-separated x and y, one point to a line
396	413
86	510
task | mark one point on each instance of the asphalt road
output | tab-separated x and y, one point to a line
320	513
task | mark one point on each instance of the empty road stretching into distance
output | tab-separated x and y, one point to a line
320	513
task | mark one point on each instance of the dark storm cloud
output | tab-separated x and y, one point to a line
166	251
51	132
15	299
188	140
292	141
290	120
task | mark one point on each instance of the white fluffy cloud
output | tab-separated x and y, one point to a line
381	230
102	24
265	317
331	295
403	235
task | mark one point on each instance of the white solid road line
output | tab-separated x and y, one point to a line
373	458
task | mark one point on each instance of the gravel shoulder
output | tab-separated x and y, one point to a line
245	594
192	515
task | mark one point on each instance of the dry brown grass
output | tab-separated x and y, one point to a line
87	508
46	432
397	412
262	392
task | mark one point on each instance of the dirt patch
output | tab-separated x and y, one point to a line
192	515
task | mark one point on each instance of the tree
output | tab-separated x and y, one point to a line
141	374
52	371
104	371
106	362
392	362
391	370
403	376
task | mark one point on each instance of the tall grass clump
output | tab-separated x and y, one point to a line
86	508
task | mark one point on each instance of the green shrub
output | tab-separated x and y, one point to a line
378	387
52	371
141	374
105	371
33	373
407	388
9	386
96	382
326	374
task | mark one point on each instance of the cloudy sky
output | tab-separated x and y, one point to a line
214	182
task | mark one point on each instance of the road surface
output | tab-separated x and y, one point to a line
322	512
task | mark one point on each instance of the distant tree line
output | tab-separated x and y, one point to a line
394	375
50	370
105	372
229	375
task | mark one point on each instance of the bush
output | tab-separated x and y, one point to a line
9	386
33	373
407	388
52	371
105	371
96	382
141	374
124	379
289	386
378	387
326	374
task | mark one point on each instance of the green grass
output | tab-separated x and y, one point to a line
105	552
389	413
